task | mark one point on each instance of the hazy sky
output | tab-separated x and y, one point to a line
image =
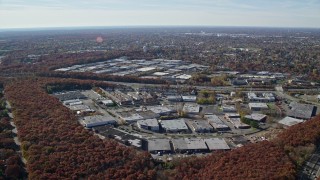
59	13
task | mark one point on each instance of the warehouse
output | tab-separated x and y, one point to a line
149	124
159	146
238	124
92	121
201	126
189	98
302	111
215	144
258	106
80	108
107	102
146	69
231	115
265	97
174	126
70	96
226	108
191	108
72	102
174	98
257	117
289	121
130	116
161	110
189	145
217	123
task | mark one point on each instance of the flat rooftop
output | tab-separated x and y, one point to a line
178	124
98	119
159	145
149	122
70	95
145	69
258	105
215	121
289	121
216	144
256	117
201	124
189	144
302	111
189	98
160	109
191	108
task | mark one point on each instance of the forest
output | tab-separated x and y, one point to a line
11	166
56	146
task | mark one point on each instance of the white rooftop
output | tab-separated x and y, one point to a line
184	76
289	121
189	98
160	74
145	69
258	105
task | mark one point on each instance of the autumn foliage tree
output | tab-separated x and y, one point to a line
56	146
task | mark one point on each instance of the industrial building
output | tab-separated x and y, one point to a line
189	145
107	102
290	121
72	102
159	146
80	108
200	126
217	123
257	117
118	135
174	126
174	98
265	97
130	116
149	124
302	111
120	98
238	124
70	96
258	106
92	121
189	98
231	115
215	144
161	110
191	108
226	108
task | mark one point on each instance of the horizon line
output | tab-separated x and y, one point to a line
144	26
